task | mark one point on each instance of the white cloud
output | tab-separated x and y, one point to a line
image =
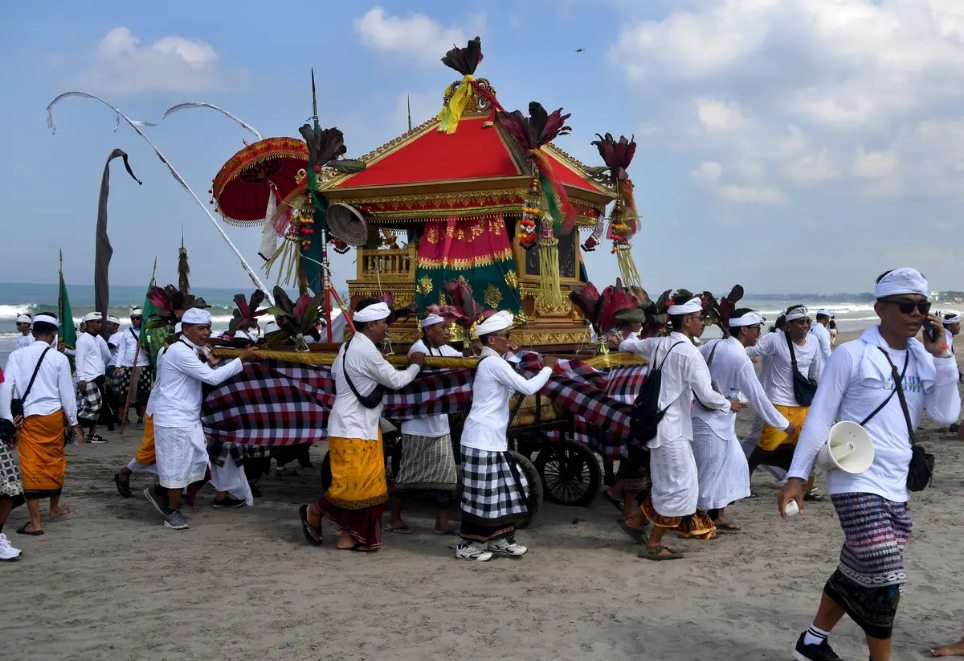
171	64
812	167
708	171
415	35
874	164
709	175
719	116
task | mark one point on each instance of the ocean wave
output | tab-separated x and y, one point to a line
13	311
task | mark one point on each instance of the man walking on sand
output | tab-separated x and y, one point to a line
859	385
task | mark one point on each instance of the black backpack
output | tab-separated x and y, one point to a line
646	414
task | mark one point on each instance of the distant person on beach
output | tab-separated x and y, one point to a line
113	341
90	360
39	377
832	329
858	386
128	377
25	339
952	328
820	331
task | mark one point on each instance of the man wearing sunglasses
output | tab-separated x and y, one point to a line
858	385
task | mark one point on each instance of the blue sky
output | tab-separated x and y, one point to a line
789	145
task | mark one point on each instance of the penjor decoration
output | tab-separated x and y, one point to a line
624	220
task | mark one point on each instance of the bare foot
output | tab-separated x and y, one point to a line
59	511
957	649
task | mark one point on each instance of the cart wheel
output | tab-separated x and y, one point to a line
570	473
326	472
534	491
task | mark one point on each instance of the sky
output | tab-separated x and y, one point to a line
786	145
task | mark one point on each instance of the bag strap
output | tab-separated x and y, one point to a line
33	378
793	355
369	401
889	397
660	368
900	394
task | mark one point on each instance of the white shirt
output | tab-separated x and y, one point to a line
113	344
732	369
367	368
128	347
91	357
684	375
432	426
820	332
495	383
178	395
776	375
25	340
847	393
52	390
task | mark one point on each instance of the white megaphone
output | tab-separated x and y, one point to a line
849	447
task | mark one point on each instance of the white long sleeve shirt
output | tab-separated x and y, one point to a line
113	345
367	368
91	357
52	390
684	375
820	332
776	374
495	383
128	348
25	340
732	369
432	426
177	396
851	390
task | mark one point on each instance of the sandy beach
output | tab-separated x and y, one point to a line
110	582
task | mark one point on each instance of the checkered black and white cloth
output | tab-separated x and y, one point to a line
120	382
494	488
11	485
90	399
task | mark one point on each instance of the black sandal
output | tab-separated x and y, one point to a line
312	533
359	548
123	488
616	502
22	530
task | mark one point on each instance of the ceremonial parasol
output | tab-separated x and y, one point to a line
242	188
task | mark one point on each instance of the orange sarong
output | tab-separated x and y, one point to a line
42	457
145	455
357	473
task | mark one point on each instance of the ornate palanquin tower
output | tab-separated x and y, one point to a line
458	199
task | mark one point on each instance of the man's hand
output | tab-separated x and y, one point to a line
790	430
935	348
78	435
82	385
793	491
60	346
250	355
550	362
18	422
416	358
213	361
735	405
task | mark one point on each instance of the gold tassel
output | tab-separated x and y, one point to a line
549	289
627	268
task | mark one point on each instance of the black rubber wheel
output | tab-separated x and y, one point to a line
570	473
326	472
534	490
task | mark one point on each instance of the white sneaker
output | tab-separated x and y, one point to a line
7	552
472	551
506	547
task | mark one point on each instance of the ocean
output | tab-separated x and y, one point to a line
18	299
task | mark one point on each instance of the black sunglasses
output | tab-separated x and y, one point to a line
907	307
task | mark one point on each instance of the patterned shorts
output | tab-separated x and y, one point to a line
11	485
89	402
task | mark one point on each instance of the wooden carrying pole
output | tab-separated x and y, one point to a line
137	353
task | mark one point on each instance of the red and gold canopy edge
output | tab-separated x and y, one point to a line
474	172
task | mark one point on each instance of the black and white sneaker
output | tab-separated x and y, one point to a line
155	499
96	439
228	503
821	652
176	521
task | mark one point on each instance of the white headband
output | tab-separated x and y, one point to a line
137	312
948	321
751	318
431	320
904	280
691	306
177	327
196	316
93	316
373	312
825	313
497	322
795	312
112	319
46	319
23	318
271	327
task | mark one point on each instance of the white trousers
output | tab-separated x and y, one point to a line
231	478
135	466
676	487
182	456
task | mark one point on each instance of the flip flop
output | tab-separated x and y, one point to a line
359	548
813	497
22	530
616	502
400	530
637	534
123	488
312	533
452	532
654	554
727	527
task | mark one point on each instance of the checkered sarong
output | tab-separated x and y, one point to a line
219	452
11	485
89	402
120	381
493	488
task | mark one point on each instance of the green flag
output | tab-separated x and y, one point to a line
152	339
67	332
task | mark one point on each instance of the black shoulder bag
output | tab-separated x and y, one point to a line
804	388
920	472
646	415
16	405
369	401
